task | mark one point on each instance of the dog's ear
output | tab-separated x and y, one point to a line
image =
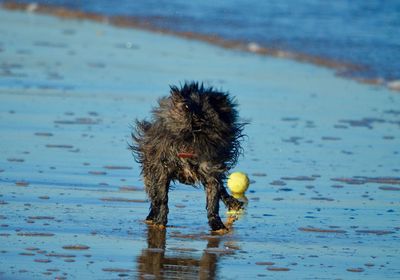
222	103
224	106
176	95
178	101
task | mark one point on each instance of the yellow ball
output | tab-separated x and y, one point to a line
238	182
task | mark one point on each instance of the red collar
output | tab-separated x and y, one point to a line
186	155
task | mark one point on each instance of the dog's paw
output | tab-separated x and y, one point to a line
235	205
149	219
216	224
154	224
158	226
220	231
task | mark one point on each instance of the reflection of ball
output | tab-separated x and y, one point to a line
238	182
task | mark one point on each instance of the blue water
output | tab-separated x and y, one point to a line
365	33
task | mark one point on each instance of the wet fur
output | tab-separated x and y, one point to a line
194	138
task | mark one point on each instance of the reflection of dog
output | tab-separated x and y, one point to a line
193	138
156	261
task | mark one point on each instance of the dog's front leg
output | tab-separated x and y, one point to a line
212	188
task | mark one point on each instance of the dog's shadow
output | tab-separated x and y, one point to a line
156	262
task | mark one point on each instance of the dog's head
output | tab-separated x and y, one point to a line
194	109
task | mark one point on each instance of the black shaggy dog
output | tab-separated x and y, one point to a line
193	137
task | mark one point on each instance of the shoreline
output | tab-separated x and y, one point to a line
341	69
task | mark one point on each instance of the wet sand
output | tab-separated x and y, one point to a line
322	153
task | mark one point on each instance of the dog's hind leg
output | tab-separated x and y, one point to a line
157	191
212	188
230	202
151	193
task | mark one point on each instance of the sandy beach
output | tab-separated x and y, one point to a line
322	153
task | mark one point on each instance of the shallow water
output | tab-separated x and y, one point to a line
322	153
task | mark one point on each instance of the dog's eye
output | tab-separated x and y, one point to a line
187	107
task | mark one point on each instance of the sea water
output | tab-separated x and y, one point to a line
363	33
